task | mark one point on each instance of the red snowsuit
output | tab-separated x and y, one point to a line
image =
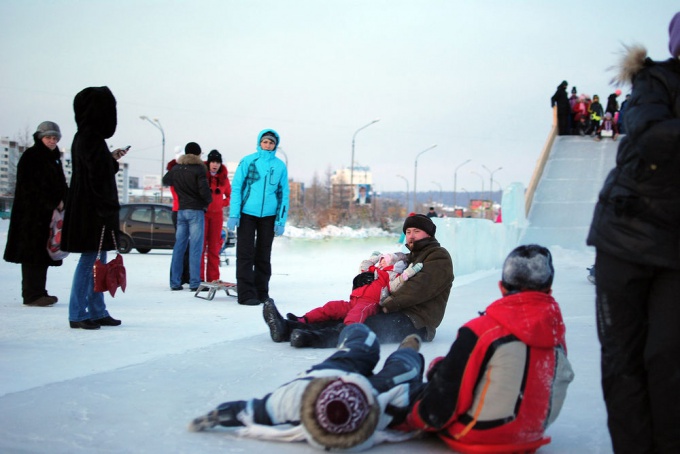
504	379
214	218
363	302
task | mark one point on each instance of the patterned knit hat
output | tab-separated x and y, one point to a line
422	222
528	267
339	412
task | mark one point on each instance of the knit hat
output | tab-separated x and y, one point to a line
339	412
192	148
674	35
422	222
269	135
528	267
214	156
48	128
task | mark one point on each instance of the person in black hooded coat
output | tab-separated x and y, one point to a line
92	203
636	231
561	100
40	188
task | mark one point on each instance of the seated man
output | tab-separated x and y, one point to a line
505	378
416	307
337	404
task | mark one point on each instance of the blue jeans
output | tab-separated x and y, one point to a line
85	303
190	224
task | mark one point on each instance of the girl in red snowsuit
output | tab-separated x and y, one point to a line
214	217
389	271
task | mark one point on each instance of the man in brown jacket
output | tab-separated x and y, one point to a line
416	308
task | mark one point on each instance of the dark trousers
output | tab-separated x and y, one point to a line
638	320
33	281
253	257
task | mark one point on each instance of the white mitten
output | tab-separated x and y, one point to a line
411	271
369	262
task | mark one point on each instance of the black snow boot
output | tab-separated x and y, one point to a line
225	415
316	338
279	327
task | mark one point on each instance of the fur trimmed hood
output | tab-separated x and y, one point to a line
633	60
190	159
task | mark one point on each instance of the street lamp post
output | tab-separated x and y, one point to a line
455	181
441	200
157	124
491	178
481	178
407	191
415	174
351	164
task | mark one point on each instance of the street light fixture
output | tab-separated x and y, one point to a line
415	174
157	124
351	164
455	181
407	190
491	178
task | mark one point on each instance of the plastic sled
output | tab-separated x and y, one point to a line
511	448
213	287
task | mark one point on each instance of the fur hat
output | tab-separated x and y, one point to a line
269	135
528	267
339	412
674	36
422	222
192	148
48	128
214	156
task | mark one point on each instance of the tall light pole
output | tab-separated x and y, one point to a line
491	178
481	179
415	174
351	163
440	193
157	124
455	181
404	178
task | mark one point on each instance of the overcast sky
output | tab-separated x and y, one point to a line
473	77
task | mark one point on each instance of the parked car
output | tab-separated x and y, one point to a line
146	226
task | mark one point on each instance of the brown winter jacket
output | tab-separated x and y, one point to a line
423	297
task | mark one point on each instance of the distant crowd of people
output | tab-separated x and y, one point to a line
582	115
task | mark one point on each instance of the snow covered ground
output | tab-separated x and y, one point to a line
134	388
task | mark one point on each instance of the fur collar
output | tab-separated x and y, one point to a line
190	159
633	59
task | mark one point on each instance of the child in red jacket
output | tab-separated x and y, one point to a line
214	217
505	378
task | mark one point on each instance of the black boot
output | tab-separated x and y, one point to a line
279	327
225	415
317	338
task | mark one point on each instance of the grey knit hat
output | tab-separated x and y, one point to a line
48	128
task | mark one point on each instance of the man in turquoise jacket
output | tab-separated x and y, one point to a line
259	208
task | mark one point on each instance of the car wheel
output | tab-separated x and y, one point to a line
124	244
143	250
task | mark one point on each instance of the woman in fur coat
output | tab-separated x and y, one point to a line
636	231
40	188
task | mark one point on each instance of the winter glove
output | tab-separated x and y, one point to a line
411	271
278	230
369	262
399	267
232	223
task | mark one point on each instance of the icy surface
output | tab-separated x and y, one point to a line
134	388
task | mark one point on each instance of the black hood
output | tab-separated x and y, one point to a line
95	109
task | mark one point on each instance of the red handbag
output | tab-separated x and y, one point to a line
109	276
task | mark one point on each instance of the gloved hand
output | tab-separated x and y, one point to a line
411	271
278	230
399	267
375	257
232	223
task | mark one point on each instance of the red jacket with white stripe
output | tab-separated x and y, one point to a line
504	379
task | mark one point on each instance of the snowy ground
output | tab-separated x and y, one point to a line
134	388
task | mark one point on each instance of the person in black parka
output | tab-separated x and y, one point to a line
636	233
92	203
40	188
561	99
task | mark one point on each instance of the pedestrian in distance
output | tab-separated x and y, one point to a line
40	189
214	217
258	212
